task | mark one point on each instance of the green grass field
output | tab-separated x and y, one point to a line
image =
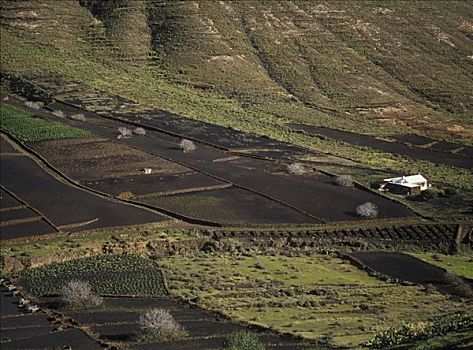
317	297
459	264
28	128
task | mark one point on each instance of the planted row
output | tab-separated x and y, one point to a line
128	275
26	128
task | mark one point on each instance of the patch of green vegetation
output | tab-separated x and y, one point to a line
123	275
27	128
411	332
460	264
317	297
63	248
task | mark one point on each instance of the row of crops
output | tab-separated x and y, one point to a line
27	128
124	275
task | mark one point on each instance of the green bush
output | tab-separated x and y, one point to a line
410	332
242	340
428	194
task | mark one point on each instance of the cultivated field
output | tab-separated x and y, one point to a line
181	175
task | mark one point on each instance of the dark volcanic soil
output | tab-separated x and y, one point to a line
432	155
63	204
401	266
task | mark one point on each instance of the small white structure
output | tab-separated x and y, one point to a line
405	185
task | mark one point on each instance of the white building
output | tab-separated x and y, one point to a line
405	185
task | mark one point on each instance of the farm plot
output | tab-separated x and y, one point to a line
116	321
229	206
108	275
402	266
24	230
28	128
440	146
98	159
20	330
386	146
314	195
318	297
63	204
461	264
6	147
18	221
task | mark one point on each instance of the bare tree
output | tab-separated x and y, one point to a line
123	132
367	210
139	131
187	146
80	117
58	113
296	169
158	324
32	105
344	180
78	294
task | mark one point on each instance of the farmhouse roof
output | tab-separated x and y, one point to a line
408	181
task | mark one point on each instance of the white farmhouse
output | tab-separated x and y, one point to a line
405	185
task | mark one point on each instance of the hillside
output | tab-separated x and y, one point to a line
365	66
381	69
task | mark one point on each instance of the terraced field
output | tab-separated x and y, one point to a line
265	179
252	229
22	330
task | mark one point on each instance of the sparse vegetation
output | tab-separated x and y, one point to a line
159	325
367	210
344	180
187	146
458	286
410	332
242	340
303	295
296	169
78	294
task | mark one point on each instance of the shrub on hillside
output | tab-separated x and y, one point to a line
344	180
296	169
159	325
80	117
32	105
242	340
187	146
428	194
139	131
58	113
124	132
367	210
457	285
78	295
